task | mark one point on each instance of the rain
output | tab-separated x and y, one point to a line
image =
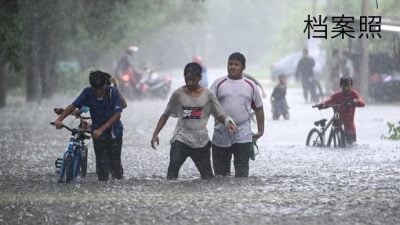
288	183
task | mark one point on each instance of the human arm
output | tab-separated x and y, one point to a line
260	122
58	122
77	112
99	131
161	122
358	100
123	101
172	109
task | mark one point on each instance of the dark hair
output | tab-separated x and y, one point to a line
346	81
97	78
193	68
108	78
239	57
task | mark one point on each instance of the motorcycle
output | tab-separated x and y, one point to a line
129	84
154	85
148	84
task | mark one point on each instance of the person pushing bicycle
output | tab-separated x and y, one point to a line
105	106
348	99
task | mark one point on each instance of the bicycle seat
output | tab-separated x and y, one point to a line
320	122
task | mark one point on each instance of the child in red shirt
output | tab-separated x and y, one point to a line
348	99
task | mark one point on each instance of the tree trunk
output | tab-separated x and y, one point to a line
32	65
44	61
3	90
48	59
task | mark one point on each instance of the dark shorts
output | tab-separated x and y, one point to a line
200	156
222	159
108	158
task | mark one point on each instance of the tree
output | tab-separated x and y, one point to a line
10	45
39	34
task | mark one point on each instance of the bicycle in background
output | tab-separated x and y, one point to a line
74	161
336	138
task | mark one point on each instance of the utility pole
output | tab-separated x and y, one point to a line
364	69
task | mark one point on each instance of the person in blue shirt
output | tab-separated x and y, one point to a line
107	129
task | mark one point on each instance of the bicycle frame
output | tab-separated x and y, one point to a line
334	123
74	150
336	128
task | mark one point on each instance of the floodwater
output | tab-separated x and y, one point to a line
288	183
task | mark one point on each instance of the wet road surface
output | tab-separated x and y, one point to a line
288	183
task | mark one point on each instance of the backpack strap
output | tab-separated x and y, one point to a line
109	95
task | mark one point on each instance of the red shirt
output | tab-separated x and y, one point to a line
346	112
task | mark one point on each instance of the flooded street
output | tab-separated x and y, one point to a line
288	183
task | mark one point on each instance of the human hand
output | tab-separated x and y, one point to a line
319	106
230	124
58	124
155	140
350	103
58	111
86	125
97	133
257	135
232	128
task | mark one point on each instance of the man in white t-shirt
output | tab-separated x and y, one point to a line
237	96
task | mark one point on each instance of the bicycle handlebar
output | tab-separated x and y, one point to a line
59	111
64	126
70	129
325	106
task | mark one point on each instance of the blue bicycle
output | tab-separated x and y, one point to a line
74	161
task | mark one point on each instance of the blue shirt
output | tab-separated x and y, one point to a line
101	110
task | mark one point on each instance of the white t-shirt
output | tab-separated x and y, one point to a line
193	114
236	98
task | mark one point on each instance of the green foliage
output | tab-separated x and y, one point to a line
11	42
42	32
394	132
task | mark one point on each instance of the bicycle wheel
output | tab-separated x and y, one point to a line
336	138
314	138
69	167
341	138
83	166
